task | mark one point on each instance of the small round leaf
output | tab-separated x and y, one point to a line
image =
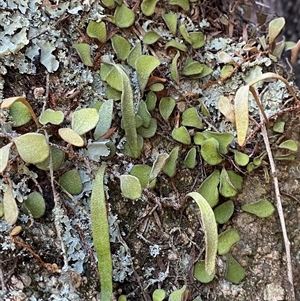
32	147
71	137
182	135
262	208
200	273
84	120
130	187
71	181
35	204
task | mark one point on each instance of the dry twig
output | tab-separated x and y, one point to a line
279	210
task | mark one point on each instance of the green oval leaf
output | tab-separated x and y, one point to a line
19	113
177	295
158	295
57	160
97	30
224	140
240	158
100	233
200	273
84	120
71	181
275	27
32	147
289	144
124	17
210	151
262	208
226	71
109	3
166	107
35	204
151	99
181	135
134	54
144	114
190	117
130	187
8	102
150	37
184	4
234	272
209	188
71	137
227	188
190	159
210	230
193	68
198	39
171	22
224	211
226	239
145	64
278	126
148	132
121	47
84	52
148	7
170	166
142	172
51	116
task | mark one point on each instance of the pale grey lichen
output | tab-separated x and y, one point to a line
122	265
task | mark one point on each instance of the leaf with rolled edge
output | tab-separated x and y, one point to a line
128	114
184	4
158	165
105	119
174	68
145	64
275	27
10	207
134	54
4	156
171	22
209	188
148	7
100	233
241	109
121	47
84	52
150	37
124	16
166	107
170	166
8	102
209	225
